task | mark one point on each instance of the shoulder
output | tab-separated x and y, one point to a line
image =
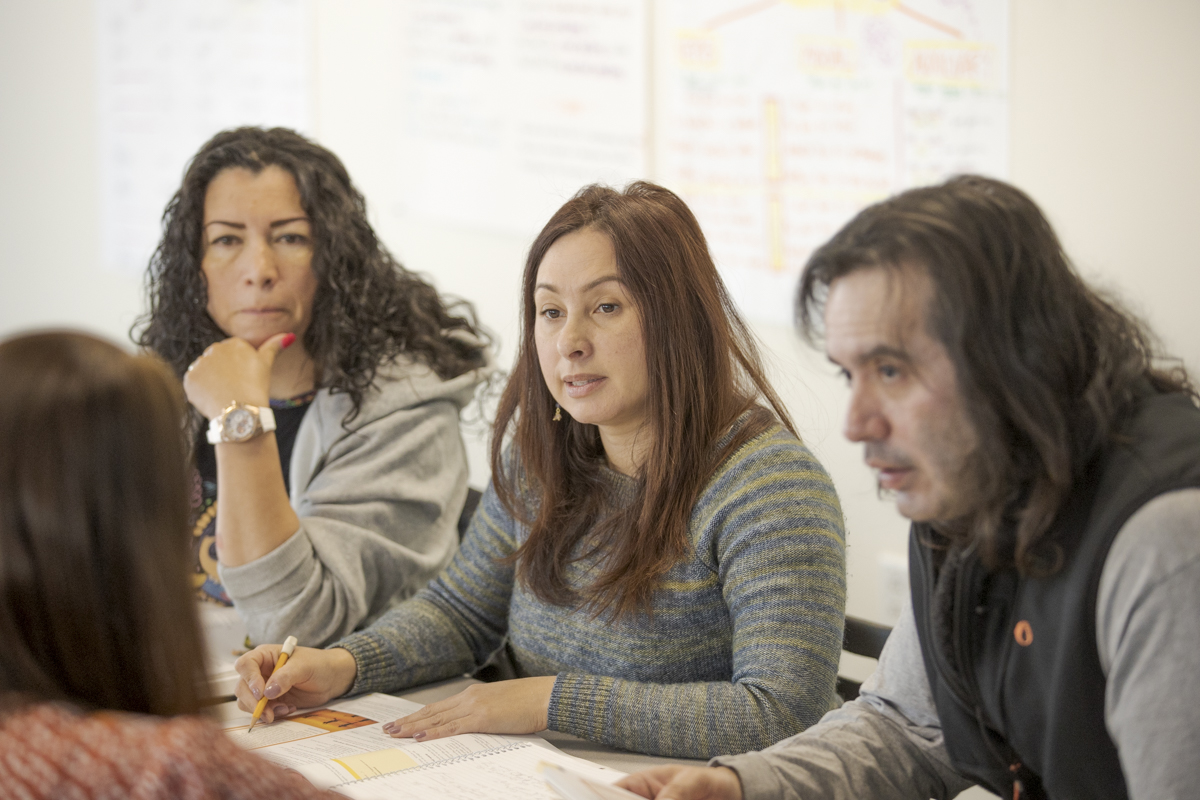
180	755
1161	539
772	463
773	495
1152	566
404	383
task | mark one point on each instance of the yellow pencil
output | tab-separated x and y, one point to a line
289	645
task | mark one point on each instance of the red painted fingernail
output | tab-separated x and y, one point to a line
419	735
287	341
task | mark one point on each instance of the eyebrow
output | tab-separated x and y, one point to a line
590	286
879	351
242	226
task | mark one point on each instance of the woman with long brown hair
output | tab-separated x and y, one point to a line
96	615
658	559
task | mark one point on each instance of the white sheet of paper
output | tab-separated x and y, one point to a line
351	746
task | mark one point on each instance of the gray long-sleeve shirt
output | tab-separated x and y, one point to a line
888	743
378	500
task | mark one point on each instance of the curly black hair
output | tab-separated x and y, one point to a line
368	309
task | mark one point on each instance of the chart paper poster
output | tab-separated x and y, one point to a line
512	105
780	119
171	73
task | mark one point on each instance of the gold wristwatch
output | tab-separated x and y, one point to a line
240	422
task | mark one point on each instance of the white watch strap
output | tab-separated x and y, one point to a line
214	429
266	418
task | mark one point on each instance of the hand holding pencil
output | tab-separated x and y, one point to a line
308	677
289	646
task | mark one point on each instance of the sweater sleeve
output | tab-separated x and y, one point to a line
770	531
377	521
454	624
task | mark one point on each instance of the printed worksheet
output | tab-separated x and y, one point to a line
342	744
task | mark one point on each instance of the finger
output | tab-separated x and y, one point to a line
431	716
452	728
245	700
255	666
269	349
283	679
648	782
702	783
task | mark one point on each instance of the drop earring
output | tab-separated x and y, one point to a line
557	413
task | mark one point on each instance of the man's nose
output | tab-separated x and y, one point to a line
865	422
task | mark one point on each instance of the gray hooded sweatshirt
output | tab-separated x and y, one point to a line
378	500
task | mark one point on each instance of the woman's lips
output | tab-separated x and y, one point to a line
582	385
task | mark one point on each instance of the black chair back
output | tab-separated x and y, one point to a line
862	638
464	519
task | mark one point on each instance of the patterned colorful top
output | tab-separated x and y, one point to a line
50	751
743	646
288	416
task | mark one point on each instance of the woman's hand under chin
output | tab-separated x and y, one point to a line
516	706
232	370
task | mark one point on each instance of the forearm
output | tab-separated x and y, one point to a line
253	514
683	720
887	744
855	753
415	643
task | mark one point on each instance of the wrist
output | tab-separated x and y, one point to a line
345	670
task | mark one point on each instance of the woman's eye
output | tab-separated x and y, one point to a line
550	313
293	238
224	240
608	308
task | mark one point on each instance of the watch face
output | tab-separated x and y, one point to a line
239	425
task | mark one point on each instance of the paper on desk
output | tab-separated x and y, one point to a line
511	773
344	742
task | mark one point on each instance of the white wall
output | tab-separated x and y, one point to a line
1105	119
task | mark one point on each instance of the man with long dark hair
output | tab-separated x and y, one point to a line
1050	465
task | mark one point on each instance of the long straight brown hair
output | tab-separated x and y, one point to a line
95	608
703	373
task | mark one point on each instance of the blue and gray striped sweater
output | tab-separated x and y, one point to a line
742	648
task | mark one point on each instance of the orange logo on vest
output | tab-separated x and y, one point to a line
1023	633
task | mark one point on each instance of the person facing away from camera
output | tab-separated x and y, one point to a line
658	556
1051	469
101	658
332	472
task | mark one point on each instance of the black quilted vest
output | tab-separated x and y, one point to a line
1024	716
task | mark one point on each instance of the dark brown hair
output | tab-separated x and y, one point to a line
703	373
367	309
96	608
1048	368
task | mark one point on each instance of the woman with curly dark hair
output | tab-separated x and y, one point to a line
332	378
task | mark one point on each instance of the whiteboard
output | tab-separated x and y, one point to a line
777	120
510	106
170	74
